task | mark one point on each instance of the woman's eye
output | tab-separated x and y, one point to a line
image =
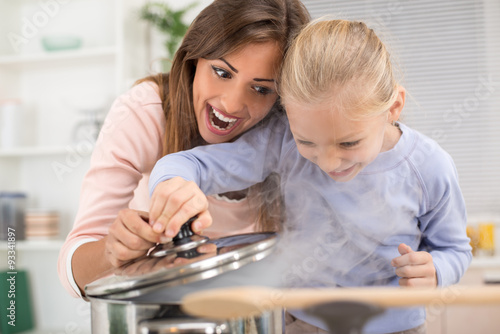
263	90
221	73
349	144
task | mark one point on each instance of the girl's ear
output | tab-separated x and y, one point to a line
397	106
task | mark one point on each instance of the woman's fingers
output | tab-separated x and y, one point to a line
118	254
131	229
130	236
137	223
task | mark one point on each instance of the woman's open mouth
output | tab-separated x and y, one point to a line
219	123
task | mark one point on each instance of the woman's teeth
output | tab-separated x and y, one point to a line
221	122
222	117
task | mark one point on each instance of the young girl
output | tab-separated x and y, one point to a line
384	199
221	84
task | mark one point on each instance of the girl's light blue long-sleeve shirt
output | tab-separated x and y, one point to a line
346	234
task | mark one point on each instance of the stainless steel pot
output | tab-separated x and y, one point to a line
119	317
144	295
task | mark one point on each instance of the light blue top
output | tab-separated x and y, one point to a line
346	234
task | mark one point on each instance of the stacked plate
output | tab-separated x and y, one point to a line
41	224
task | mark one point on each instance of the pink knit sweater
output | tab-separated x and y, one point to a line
130	143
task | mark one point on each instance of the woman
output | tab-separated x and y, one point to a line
222	83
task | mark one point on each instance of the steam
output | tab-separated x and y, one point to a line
342	242
324	242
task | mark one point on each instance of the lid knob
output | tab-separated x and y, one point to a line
184	241
185	232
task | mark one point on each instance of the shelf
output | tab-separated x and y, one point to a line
36	151
34	245
58	55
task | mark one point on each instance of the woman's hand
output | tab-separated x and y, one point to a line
174	202
130	236
416	269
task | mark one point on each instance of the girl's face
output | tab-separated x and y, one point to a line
232	94
341	147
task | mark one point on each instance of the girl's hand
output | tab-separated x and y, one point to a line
416	269
130	236
174	202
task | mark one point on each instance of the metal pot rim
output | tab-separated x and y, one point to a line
246	248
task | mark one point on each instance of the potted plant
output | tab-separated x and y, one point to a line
169	22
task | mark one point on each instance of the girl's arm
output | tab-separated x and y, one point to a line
444	219
174	202
213	169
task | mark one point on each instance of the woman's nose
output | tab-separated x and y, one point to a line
233	101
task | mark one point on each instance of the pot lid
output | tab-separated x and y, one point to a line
187	258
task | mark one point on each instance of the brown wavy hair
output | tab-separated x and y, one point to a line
224	27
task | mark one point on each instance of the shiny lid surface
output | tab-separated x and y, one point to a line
161	268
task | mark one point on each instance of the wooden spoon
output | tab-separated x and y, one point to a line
250	301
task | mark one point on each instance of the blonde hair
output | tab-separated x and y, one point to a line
340	60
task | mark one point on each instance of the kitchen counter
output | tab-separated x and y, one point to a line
466	319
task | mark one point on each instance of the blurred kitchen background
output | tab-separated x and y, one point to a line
62	63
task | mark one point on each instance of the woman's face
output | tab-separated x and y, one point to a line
233	93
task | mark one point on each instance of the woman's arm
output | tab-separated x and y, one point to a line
130	236
129	144
88	263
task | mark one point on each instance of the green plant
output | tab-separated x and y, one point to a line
167	21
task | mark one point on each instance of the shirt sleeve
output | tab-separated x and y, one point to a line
227	167
444	219
129	144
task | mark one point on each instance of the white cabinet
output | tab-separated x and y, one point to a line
55	89
54	86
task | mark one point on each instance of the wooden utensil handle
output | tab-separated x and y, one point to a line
248	301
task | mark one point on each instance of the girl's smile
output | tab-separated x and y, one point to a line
341	173
233	93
